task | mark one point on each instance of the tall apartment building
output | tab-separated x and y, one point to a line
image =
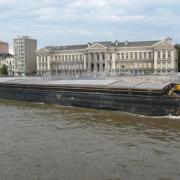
111	58
24	55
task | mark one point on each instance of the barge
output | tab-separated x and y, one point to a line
145	98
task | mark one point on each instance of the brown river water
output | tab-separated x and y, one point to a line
48	142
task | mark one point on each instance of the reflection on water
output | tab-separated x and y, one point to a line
40	141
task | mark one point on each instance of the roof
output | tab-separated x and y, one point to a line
129	44
5	56
104	43
68	47
3	42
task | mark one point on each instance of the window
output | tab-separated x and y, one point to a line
149	55
164	54
103	57
118	56
140	55
122	55
159	54
73	57
145	55
135	54
76	57
131	55
111	56
169	54
97	56
163	65
169	65
69	57
127	57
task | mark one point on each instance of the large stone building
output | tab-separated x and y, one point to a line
24	55
4	47
110	58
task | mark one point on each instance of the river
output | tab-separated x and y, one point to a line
48	142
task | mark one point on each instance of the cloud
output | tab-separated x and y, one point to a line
7	2
69	21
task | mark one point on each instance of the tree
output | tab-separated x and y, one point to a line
3	70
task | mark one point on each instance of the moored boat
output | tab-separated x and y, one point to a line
147	98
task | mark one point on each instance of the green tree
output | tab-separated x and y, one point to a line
3	70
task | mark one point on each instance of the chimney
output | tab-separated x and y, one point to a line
89	44
126	42
116	42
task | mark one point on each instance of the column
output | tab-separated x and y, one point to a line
89	62
106	62
161	66
113	62
85	60
155	60
49	65
95	62
38	59
172	60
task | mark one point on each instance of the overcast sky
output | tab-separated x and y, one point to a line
61	22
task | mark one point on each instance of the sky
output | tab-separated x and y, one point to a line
63	22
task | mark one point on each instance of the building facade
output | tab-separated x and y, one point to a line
4	47
10	64
24	55
8	60
108	58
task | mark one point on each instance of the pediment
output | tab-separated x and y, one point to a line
165	42
42	50
97	46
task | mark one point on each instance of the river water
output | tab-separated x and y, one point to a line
50	142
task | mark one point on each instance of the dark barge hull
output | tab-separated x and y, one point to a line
152	103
